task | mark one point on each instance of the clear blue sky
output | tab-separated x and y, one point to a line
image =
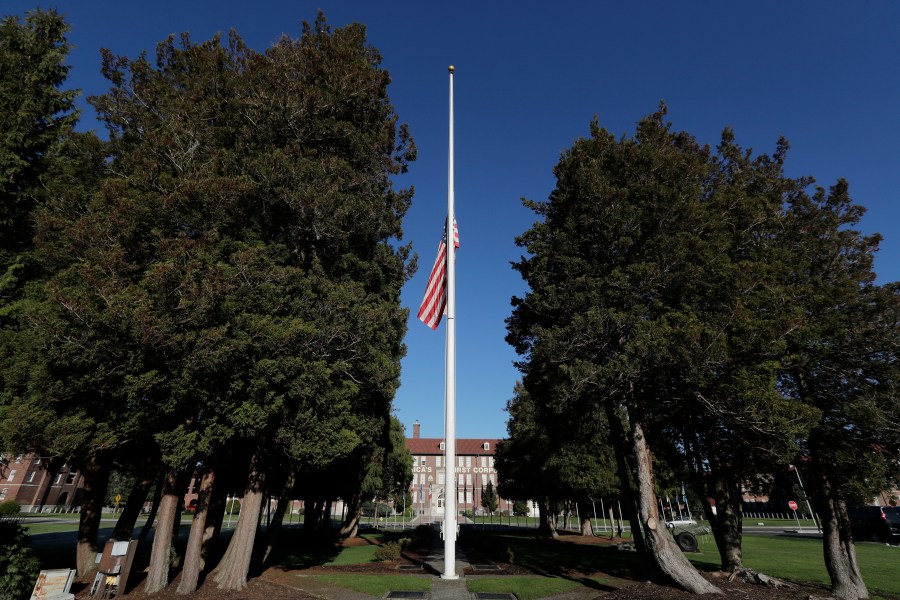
529	78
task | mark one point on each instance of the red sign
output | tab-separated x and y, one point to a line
792	505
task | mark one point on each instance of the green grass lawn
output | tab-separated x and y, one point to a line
547	556
377	585
530	587
39	528
304	553
68	516
800	559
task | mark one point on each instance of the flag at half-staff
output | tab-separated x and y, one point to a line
434	304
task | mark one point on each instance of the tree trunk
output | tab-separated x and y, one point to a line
193	554
312	515
179	509
587	528
274	529
547	518
231	573
669	564
326	515
612	524
133	505
216	516
154	507
96	480
621	441
727	524
840	553
350	527
160	554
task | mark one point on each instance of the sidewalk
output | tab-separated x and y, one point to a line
447	589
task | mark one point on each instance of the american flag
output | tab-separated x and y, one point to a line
435	302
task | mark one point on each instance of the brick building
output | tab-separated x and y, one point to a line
26	479
473	470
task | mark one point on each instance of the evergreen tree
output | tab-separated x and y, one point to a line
842	362
36	114
231	287
489	498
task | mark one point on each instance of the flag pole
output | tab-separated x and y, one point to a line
450	372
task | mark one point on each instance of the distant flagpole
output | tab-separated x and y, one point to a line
450	372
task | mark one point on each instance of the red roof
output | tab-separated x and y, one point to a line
422	446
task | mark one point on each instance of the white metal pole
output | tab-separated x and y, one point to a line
450	374
808	505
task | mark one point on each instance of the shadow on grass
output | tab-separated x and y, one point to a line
551	558
57	550
296	550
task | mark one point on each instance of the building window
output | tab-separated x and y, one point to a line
484	479
469	497
70	478
486	446
468	461
484	461
415	478
461	461
491	461
31	476
19	459
437	461
460	498
3	493
462	479
469	479
443	445
441	479
58	478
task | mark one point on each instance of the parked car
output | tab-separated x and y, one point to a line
680	523
685	532
875	523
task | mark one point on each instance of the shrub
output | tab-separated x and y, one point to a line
421	538
388	552
18	566
232	507
9	508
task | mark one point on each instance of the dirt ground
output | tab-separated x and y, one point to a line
275	583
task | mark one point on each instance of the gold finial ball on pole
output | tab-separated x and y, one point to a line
450	68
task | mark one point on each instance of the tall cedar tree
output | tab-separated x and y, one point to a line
708	299
36	114
842	361
233	283
730	420
618	238
43	166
